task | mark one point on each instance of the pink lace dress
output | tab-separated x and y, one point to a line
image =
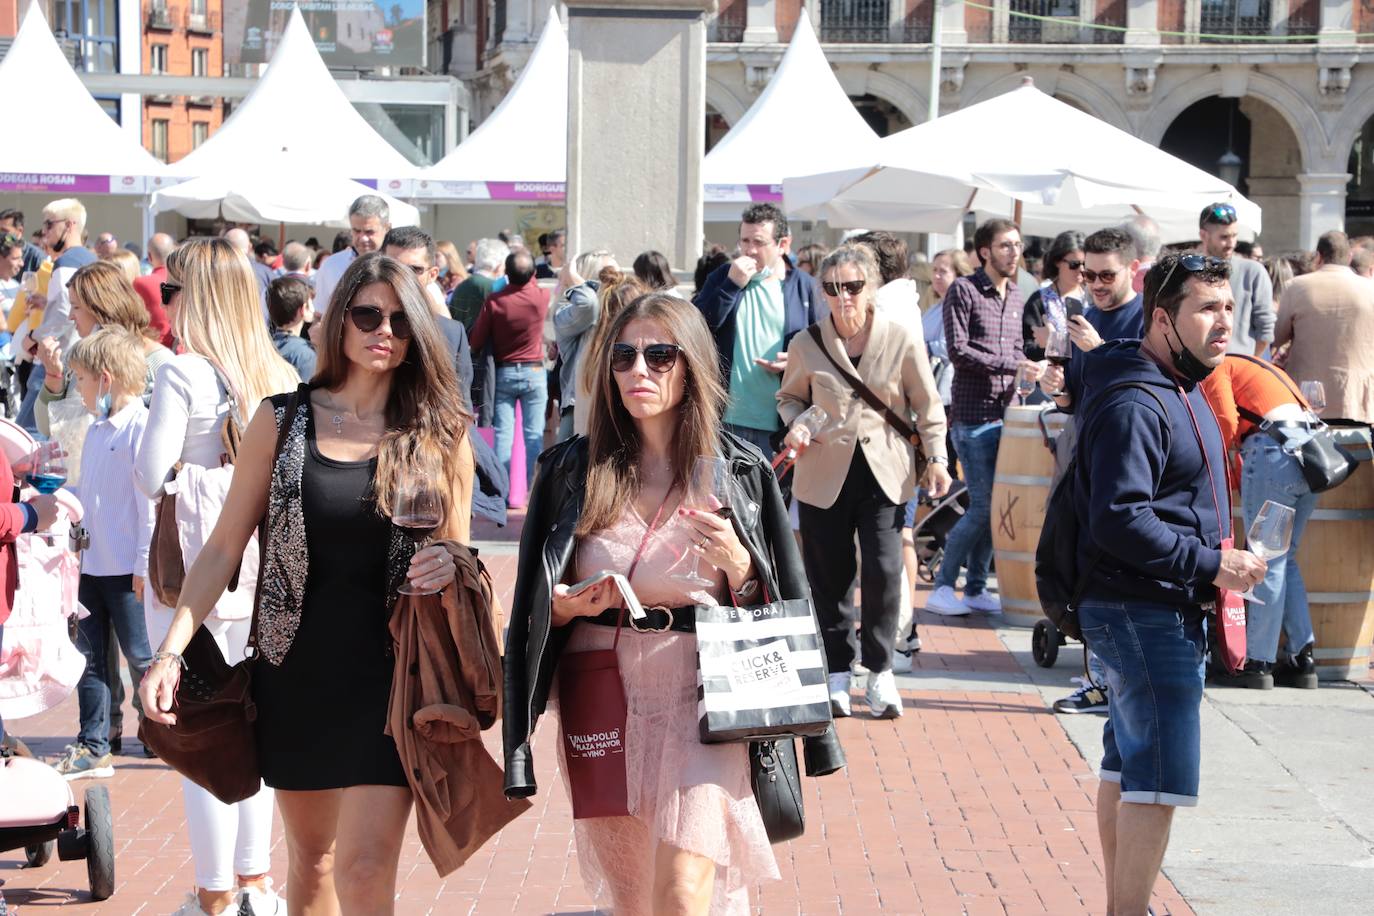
684	793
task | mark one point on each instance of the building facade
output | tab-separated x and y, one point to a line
1282	85
184	38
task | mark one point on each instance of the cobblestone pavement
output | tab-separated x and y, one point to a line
975	802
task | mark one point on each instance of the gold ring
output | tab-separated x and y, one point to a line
702	543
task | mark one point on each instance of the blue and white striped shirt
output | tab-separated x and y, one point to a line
118	516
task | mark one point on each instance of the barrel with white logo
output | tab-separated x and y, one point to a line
1020	490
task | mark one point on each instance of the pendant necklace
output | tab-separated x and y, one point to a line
337	420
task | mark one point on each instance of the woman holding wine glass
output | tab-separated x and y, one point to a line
648	487
381	422
1263	415
860	478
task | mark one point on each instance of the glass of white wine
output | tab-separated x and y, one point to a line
1315	393
1269	537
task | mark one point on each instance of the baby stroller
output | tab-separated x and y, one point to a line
935	518
39	668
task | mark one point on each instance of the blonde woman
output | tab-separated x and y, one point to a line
383	406
452	271
229	364
126	261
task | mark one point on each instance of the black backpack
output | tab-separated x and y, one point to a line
1058	580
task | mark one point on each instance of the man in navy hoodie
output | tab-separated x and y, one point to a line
1152	505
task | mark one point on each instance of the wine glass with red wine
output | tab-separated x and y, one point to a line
1058	348
417	510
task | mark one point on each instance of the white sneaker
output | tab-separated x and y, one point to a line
839	695
986	602
901	662
882	696
191	907
259	901
944	601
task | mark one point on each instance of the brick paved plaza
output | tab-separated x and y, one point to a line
976	802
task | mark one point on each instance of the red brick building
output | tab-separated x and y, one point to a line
181	38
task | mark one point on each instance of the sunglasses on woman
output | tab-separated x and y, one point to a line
168	291
1073	265
659	357
853	287
368	318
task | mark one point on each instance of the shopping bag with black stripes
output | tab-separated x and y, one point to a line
760	672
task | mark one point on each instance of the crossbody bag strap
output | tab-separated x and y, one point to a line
1278	375
1202	447
293	406
907	431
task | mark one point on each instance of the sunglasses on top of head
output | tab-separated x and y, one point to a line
1221	213
368	318
1193	263
659	357
853	287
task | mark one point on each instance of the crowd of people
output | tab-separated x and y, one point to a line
886	376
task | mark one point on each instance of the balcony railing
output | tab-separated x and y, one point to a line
855	20
159	17
200	21
728	26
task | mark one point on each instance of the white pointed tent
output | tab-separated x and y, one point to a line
273	193
927	177
297	111
509	157
82	152
802	123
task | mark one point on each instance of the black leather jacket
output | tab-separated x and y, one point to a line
533	644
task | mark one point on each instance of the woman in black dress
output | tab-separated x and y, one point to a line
385	402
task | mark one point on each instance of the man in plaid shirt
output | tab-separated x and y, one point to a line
982	315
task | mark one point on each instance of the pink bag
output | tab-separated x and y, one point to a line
591	706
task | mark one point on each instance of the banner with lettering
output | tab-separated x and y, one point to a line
760	672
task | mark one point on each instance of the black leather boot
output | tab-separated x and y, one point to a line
1297	671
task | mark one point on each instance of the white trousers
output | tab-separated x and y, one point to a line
226	840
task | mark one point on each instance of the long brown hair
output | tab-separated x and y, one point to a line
425	417
102	289
613	441
618	289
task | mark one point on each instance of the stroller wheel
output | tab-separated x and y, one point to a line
38	855
100	861
1045	643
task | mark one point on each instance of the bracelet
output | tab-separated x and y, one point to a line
160	656
938	459
747	590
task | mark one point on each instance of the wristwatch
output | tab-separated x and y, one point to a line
938	459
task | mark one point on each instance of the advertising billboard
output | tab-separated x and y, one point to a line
358	34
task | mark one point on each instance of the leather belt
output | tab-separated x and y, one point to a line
521	362
658	619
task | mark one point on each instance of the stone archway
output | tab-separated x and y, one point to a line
885	118
716	127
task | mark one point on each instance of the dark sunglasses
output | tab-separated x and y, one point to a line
1221	213
1192	263
168	291
658	357
368	318
1106	276
853	287
1073	265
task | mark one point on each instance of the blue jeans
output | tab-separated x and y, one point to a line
110	599
26	418
756	437
970	541
1154	658
1271	473
529	386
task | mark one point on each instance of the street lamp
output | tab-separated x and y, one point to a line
1228	168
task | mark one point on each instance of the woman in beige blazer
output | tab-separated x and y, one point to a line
858	474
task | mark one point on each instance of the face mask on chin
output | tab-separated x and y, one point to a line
1185	360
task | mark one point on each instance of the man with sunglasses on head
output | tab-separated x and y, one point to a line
1250	283
415	248
12	223
983	336
753	305
1152	506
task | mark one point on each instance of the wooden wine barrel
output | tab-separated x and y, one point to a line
1337	560
1020	490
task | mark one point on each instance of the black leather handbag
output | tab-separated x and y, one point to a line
776	781
1323	463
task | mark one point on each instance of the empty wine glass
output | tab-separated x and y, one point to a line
417	508
1025	384
1315	393
1269	536
708	490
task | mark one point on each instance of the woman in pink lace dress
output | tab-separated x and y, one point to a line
694	841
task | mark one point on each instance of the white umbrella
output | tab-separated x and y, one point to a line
1081	174
268	195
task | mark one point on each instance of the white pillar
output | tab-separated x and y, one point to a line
761	24
952	30
1321	205
1337	26
1142	22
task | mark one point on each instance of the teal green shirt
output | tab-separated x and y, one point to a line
759	325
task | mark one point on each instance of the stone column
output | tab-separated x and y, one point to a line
1142	22
1321	205
637	62
761	24
1337	23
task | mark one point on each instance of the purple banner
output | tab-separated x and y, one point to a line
766	192
526	190
38	181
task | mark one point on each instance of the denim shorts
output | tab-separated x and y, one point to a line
1153	653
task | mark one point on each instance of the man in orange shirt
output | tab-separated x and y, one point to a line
1263	417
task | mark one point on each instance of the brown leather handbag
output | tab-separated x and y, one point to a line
213	742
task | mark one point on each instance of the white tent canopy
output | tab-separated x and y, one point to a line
298	112
83	150
802	123
926	178
511	155
269	194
